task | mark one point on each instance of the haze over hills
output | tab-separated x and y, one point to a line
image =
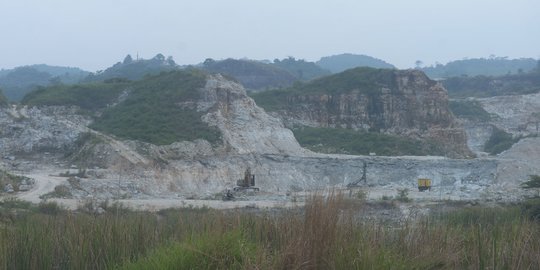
19	81
489	86
254	75
342	62
134	69
493	66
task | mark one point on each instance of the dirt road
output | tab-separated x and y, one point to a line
43	185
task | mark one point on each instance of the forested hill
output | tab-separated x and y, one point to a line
134	69
146	110
342	62
254	75
494	66
19	81
489	86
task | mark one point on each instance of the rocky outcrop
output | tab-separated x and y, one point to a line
410	105
516	114
47	129
245	127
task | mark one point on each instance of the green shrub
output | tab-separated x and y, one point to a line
403	195
3	99
230	250
347	141
151	113
469	109
14	203
499	141
368	81
89	96
531	209
50	208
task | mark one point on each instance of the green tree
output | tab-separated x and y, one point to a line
3	99
533	183
128	59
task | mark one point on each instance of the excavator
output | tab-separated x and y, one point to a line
247	183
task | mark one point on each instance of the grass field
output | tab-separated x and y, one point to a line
326	234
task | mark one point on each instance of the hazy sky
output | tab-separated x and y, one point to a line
94	34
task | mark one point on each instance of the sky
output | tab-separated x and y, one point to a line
95	34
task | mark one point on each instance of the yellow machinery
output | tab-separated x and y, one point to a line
424	184
247	183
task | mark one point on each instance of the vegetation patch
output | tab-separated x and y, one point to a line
3	99
231	250
301	69
499	141
325	234
341	62
489	86
151	113
469	109
137	69
368	81
347	141
12	180
252	74
89	96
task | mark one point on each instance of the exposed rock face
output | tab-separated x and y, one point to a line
26	130
515	114
412	105
254	139
518	115
245	127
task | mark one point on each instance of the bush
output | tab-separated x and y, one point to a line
50	208
151	113
531	209
230	250
469	109
403	195
90	96
499	141
3	99
347	141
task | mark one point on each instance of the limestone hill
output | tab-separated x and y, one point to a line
404	103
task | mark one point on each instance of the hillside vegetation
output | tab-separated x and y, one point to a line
19	81
3	99
301	69
152	111
489	86
342	62
134	69
494	66
88	96
469	109
499	141
149	110
254	75
363	79
347	141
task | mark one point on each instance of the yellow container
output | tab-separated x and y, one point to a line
424	184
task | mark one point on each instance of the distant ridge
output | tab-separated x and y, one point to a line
493	66
342	62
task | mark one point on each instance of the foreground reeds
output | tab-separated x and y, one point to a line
327	234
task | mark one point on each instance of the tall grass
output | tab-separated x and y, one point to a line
326	234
